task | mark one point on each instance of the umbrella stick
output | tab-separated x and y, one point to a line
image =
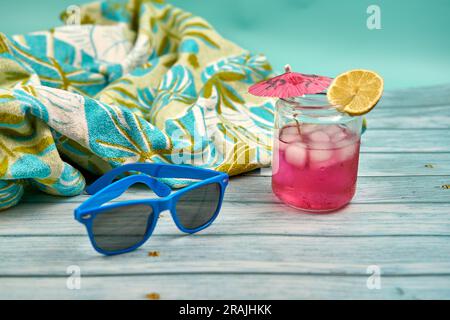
298	125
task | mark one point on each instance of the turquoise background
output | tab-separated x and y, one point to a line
315	36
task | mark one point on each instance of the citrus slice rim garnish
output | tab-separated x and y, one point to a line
356	92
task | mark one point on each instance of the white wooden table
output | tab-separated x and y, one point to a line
399	222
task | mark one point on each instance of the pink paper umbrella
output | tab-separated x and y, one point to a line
291	84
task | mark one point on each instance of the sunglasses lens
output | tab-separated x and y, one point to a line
121	228
197	207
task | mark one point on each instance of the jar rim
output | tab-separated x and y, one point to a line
314	107
310	101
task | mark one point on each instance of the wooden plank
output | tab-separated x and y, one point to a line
420	164
402	141
205	254
231	286
380	164
417	108
429	117
402	189
398	220
255	219
406	141
417	97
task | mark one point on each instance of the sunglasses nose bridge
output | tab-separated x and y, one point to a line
165	205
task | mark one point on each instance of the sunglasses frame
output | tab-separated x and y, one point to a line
103	191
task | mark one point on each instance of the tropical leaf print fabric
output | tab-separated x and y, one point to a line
137	81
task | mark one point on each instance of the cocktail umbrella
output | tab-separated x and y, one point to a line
290	84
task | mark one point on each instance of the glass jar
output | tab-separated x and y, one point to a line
315	154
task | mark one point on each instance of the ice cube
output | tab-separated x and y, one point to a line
280	145
290	138
317	155
309	128
338	137
346	153
296	155
294	130
332	130
290	134
319	137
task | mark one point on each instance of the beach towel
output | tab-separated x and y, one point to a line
123	82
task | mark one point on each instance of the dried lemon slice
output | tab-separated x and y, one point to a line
356	92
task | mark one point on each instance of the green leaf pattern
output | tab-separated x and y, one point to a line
138	81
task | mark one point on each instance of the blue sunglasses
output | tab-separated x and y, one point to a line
125	226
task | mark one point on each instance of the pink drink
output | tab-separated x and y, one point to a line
315	167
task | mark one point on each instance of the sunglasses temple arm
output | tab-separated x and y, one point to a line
110	176
116	189
161	189
152	169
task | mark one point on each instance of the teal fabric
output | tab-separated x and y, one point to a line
136	81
